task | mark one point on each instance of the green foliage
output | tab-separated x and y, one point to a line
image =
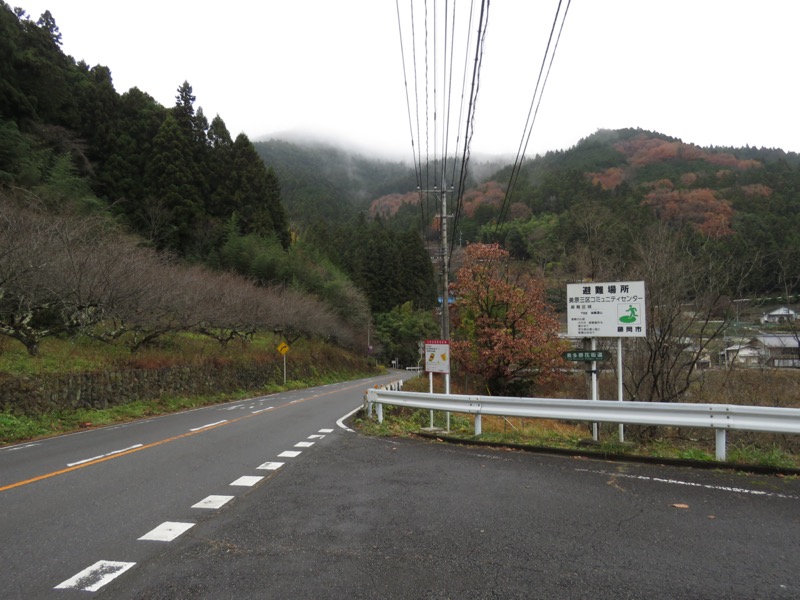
391	268
400	330
771	456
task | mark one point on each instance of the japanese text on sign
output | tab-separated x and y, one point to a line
437	356
614	309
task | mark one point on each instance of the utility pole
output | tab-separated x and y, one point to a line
445	270
445	260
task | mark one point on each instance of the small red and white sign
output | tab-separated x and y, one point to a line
437	356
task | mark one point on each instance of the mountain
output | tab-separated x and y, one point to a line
320	181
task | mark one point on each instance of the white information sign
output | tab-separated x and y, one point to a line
611	309
437	356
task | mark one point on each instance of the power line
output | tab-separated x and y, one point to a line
533	111
437	53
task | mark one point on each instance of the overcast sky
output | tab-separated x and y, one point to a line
711	72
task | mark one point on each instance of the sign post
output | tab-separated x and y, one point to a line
283	348
609	309
437	360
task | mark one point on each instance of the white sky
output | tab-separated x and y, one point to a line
711	72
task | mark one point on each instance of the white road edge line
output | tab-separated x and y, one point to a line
209	425
341	421
86	460
18	447
719	488
93	578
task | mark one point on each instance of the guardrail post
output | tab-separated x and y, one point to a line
721	436
380	412
477	424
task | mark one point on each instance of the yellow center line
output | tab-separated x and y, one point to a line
11	486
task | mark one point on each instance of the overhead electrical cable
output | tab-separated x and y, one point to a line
415	151
465	70
469	126
533	111
449	119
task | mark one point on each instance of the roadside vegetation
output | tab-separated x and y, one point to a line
309	363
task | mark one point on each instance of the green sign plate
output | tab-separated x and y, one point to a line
587	355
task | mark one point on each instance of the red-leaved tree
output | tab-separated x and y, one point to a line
503	329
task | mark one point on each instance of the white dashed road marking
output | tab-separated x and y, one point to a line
167	531
93	578
102	572
271	466
247	480
209	425
85	460
213	502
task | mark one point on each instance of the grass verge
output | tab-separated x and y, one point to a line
557	436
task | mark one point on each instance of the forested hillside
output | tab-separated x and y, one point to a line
322	182
353	233
578	213
84	168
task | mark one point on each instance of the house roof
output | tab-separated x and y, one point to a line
788	340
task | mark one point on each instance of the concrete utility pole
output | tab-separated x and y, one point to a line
445	256
445	270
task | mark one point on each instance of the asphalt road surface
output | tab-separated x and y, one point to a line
270	498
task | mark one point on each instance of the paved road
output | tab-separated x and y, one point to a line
110	498
357	517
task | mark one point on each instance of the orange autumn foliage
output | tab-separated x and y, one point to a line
643	150
490	192
387	206
608	179
689	179
757	190
699	208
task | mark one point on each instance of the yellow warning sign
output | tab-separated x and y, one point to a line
283	347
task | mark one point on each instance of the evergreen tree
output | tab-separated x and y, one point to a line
220	172
122	177
257	197
171	177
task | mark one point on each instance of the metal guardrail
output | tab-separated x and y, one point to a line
719	417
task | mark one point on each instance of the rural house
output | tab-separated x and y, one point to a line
783	314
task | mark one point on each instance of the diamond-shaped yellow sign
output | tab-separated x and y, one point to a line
283	347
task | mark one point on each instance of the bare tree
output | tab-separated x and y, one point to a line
690	293
61	274
49	281
227	305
